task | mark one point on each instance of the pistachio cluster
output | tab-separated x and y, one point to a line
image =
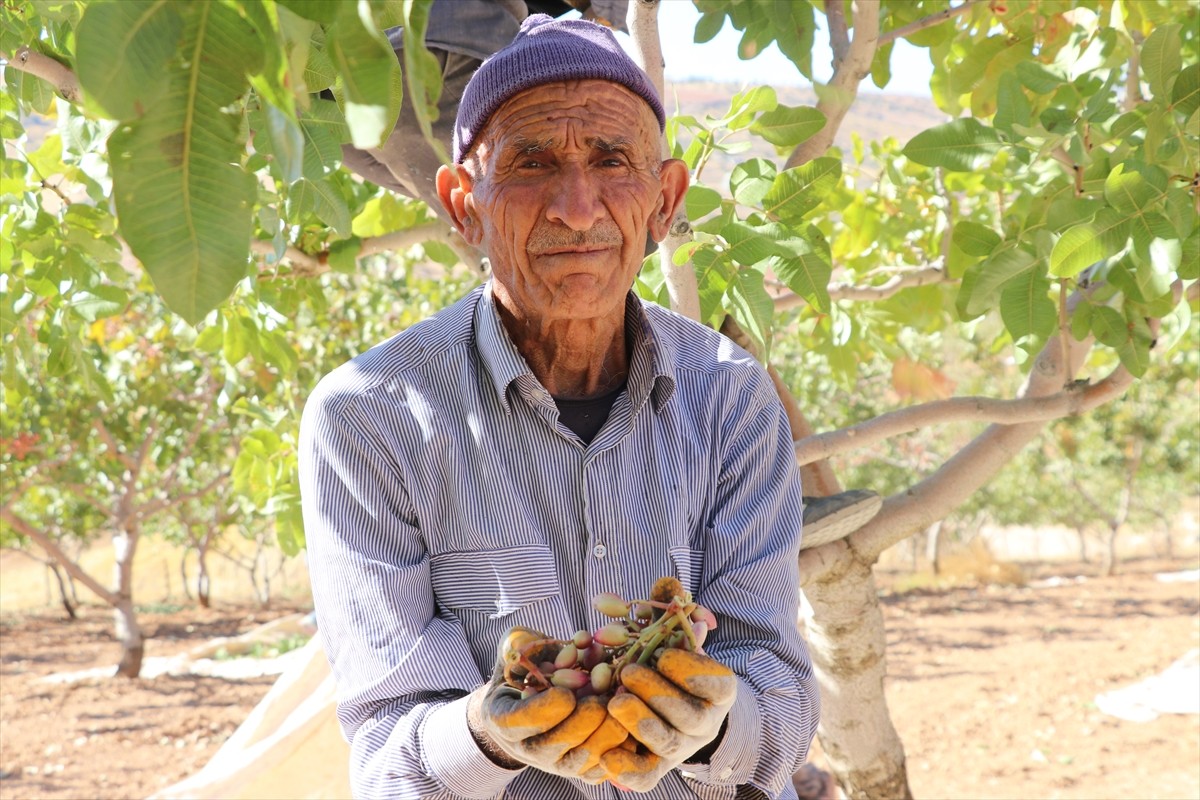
590	663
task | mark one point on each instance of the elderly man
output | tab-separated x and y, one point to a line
548	438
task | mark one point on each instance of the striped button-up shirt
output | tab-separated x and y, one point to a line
444	503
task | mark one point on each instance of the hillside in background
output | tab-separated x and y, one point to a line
873	117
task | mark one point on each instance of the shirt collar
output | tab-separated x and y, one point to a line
651	365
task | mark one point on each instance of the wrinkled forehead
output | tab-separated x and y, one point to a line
563	114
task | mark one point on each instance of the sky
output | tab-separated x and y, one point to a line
717	59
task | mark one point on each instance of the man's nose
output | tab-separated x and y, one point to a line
575	200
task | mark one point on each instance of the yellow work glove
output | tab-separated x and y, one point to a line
543	730
673	710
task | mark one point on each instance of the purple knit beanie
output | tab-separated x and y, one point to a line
546	50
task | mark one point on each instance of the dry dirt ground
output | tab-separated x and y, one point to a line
992	689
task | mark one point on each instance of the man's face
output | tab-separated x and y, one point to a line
568	180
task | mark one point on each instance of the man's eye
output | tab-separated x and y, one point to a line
529	164
612	161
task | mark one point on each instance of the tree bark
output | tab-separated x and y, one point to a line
202	586
62	592
129	633
933	546
847	643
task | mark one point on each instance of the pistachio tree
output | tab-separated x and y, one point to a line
1048	227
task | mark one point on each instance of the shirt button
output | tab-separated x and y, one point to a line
725	773
599	551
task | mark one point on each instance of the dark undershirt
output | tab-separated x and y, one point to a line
585	417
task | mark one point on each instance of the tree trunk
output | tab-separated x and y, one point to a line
846	640
183	576
62	592
1083	554
202	591
933	546
129	633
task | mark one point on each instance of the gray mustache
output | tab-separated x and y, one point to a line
544	238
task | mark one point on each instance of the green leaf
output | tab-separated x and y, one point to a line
184	205
319	198
1026	309
983	281
343	254
745	105
1135	352
963	145
1012	106
708	26
788	126
319	73
1128	191
1161	58
423	72
1038	78
746	245
211	339
322	11
369	74
970	70
797	191
1185	94
1127	124
287	143
1189	257
701	201
712	279
324	132
881	66
99	302
122	53
236	342
1109	326
751	180
806	272
752	307
1085	244
975	239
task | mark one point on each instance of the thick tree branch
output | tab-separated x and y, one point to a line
307	265
905	279
839	34
977	463
925	22
642	21
83	492
106	436
153	507
55	552
57	74
1077	399
1133	78
838	95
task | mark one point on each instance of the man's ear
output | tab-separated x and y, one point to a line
673	179
454	186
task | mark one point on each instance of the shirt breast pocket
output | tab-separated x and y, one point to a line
689	567
490	591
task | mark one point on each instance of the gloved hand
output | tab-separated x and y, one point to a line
549	730
673	710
